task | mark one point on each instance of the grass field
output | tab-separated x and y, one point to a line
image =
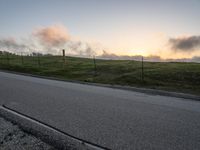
181	77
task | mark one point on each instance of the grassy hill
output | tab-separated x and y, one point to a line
182	77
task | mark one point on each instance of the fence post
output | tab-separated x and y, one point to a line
95	66
142	69
64	59
39	60
22	59
1	58
8	59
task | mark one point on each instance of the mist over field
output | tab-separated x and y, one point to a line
47	40
52	39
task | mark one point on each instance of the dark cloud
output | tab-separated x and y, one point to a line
185	44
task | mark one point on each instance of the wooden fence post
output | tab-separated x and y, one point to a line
95	66
64	59
39	60
142	69
22	59
8	59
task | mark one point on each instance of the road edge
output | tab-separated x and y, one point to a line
129	88
46	133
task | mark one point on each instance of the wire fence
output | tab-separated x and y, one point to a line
125	72
90	66
32	60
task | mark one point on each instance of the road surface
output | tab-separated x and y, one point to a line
113	118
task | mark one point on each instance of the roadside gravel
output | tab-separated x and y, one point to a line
13	138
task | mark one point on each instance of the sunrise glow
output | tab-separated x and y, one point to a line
89	28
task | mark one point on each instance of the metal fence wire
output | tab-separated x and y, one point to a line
124	72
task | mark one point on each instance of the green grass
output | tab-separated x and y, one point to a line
181	77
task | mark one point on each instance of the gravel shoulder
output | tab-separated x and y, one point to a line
13	138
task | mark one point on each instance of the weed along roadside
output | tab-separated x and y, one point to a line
171	76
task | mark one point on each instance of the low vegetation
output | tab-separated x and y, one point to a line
171	76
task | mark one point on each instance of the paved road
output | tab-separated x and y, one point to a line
112	118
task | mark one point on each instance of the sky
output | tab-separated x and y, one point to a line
167	28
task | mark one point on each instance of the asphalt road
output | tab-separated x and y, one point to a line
116	119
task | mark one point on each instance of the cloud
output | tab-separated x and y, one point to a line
185	44
51	39
107	55
11	43
150	58
52	36
81	48
196	59
112	56
56	37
